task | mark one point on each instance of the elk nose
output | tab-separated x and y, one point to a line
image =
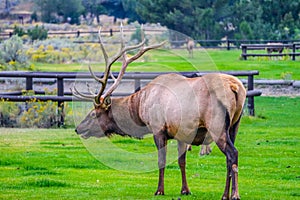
76	131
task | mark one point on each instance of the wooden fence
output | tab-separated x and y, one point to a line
220	44
65	95
282	49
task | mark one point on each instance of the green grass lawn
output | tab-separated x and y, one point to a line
203	60
55	163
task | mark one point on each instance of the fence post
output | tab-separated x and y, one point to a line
244	52
29	83
60	106
228	44
251	98
294	51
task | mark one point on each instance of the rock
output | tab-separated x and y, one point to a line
296	84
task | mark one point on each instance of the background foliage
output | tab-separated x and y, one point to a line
201	19
239	19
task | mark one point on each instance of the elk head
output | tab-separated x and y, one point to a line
99	122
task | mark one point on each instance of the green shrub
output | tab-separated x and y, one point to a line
11	50
33	114
39	114
38	33
19	31
12	54
8	113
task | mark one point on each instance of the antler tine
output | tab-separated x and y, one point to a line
102	46
100	80
80	95
144	50
89	89
112	76
127	61
108	63
124	49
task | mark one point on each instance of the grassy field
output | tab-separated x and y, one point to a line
56	164
214	60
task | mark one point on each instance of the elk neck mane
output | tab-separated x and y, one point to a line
125	113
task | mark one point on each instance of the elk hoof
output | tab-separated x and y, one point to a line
185	192
158	192
225	197
205	150
235	197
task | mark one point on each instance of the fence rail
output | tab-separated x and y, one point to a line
65	96
270	48
221	44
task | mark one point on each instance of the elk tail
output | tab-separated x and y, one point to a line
235	89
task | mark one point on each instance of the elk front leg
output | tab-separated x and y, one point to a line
182	147
160	140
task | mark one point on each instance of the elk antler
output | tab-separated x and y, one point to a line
109	62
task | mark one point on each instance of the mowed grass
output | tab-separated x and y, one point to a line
55	163
203	60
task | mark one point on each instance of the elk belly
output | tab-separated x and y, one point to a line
201	137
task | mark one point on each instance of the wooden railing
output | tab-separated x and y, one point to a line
64	94
282	49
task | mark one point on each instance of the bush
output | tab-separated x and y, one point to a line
48	55
39	114
12	54
19	31
9	112
38	33
32	114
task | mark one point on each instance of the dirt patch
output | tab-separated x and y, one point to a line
278	90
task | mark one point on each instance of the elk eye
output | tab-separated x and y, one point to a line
93	114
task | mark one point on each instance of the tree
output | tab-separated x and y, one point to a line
50	10
129	7
195	18
94	7
70	10
210	19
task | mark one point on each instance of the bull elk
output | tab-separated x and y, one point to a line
190	110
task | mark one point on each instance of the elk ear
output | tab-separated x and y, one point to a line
107	102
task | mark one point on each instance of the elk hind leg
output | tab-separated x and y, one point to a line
160	140
226	145
232	167
234	170
182	147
